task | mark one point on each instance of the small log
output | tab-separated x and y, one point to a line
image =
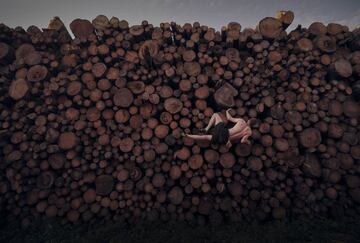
23	51
126	145
335	108
304	45
136	30
325	43
310	138
57	161
45	180
74	88
67	140
122	116
33	58
192	68
334	29
183	153
335	131
161	131
255	164
342	68
73	216
317	28
123	97
93	114
202	92
98	69
101	23
294	117
37	73
281	144
355	152
211	156
243	149
176	195
136	121
149	49
185	85
351	109
227	160
195	161
274	57
136	87
89	196
158	180
104	185
189	55
173	105
175	172
18	89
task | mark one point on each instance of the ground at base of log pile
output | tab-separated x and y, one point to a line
300	230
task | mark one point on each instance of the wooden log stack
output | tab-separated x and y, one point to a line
90	127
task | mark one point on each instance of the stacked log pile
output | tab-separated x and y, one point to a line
91	127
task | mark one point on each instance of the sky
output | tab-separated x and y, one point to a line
213	13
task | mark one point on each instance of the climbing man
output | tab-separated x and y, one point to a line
221	135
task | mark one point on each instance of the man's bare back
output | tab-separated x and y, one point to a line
241	129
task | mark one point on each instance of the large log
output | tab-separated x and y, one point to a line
224	96
270	27
81	28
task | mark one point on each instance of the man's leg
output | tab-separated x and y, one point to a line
199	137
215	119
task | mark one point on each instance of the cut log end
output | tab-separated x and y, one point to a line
224	96
81	28
18	89
270	27
123	98
104	185
310	137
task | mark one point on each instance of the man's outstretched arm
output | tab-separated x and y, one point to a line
230	118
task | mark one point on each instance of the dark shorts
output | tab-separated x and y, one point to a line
218	129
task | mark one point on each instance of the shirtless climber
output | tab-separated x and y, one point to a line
221	135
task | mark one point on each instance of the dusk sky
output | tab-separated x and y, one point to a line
213	13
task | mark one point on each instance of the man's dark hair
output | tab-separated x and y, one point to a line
220	134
